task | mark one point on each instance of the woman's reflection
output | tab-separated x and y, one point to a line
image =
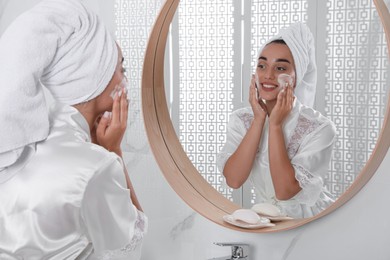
281	143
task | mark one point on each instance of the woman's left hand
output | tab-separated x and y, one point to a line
283	106
110	130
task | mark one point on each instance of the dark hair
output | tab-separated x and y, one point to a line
278	41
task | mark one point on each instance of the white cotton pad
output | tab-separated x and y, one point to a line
285	80
246	215
267	209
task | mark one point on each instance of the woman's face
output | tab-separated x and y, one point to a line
275	59
106	98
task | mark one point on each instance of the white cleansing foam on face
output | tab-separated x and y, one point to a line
285	80
124	85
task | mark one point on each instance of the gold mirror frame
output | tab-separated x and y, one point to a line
172	159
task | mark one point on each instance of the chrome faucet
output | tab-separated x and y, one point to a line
239	251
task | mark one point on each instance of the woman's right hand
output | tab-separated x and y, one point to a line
111	129
257	104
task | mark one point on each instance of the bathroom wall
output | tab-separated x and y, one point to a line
359	230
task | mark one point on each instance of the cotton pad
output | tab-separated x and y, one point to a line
285	80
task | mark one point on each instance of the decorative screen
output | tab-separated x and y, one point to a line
269	16
206	68
134	20
355	90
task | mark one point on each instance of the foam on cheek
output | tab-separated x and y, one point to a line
285	80
122	86
115	91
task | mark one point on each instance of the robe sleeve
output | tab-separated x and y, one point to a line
311	163
237	128
114	225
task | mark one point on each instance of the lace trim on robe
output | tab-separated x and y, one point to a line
311	186
140	228
304	127
247	119
304	177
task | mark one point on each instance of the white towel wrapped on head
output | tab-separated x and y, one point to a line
301	43
62	45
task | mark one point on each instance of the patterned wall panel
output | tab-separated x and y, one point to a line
356	76
206	82
134	20
269	16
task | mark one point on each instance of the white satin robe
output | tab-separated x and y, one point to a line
70	200
309	137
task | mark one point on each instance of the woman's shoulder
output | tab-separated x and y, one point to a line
243	111
69	135
314	121
68	166
315	116
242	116
69	148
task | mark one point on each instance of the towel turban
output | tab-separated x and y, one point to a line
59	44
300	41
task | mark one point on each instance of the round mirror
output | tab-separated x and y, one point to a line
208	52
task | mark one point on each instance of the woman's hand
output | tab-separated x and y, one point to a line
283	107
111	129
257	104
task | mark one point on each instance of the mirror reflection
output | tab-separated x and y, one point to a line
279	143
211	61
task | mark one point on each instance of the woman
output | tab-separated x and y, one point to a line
64	189
281	145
